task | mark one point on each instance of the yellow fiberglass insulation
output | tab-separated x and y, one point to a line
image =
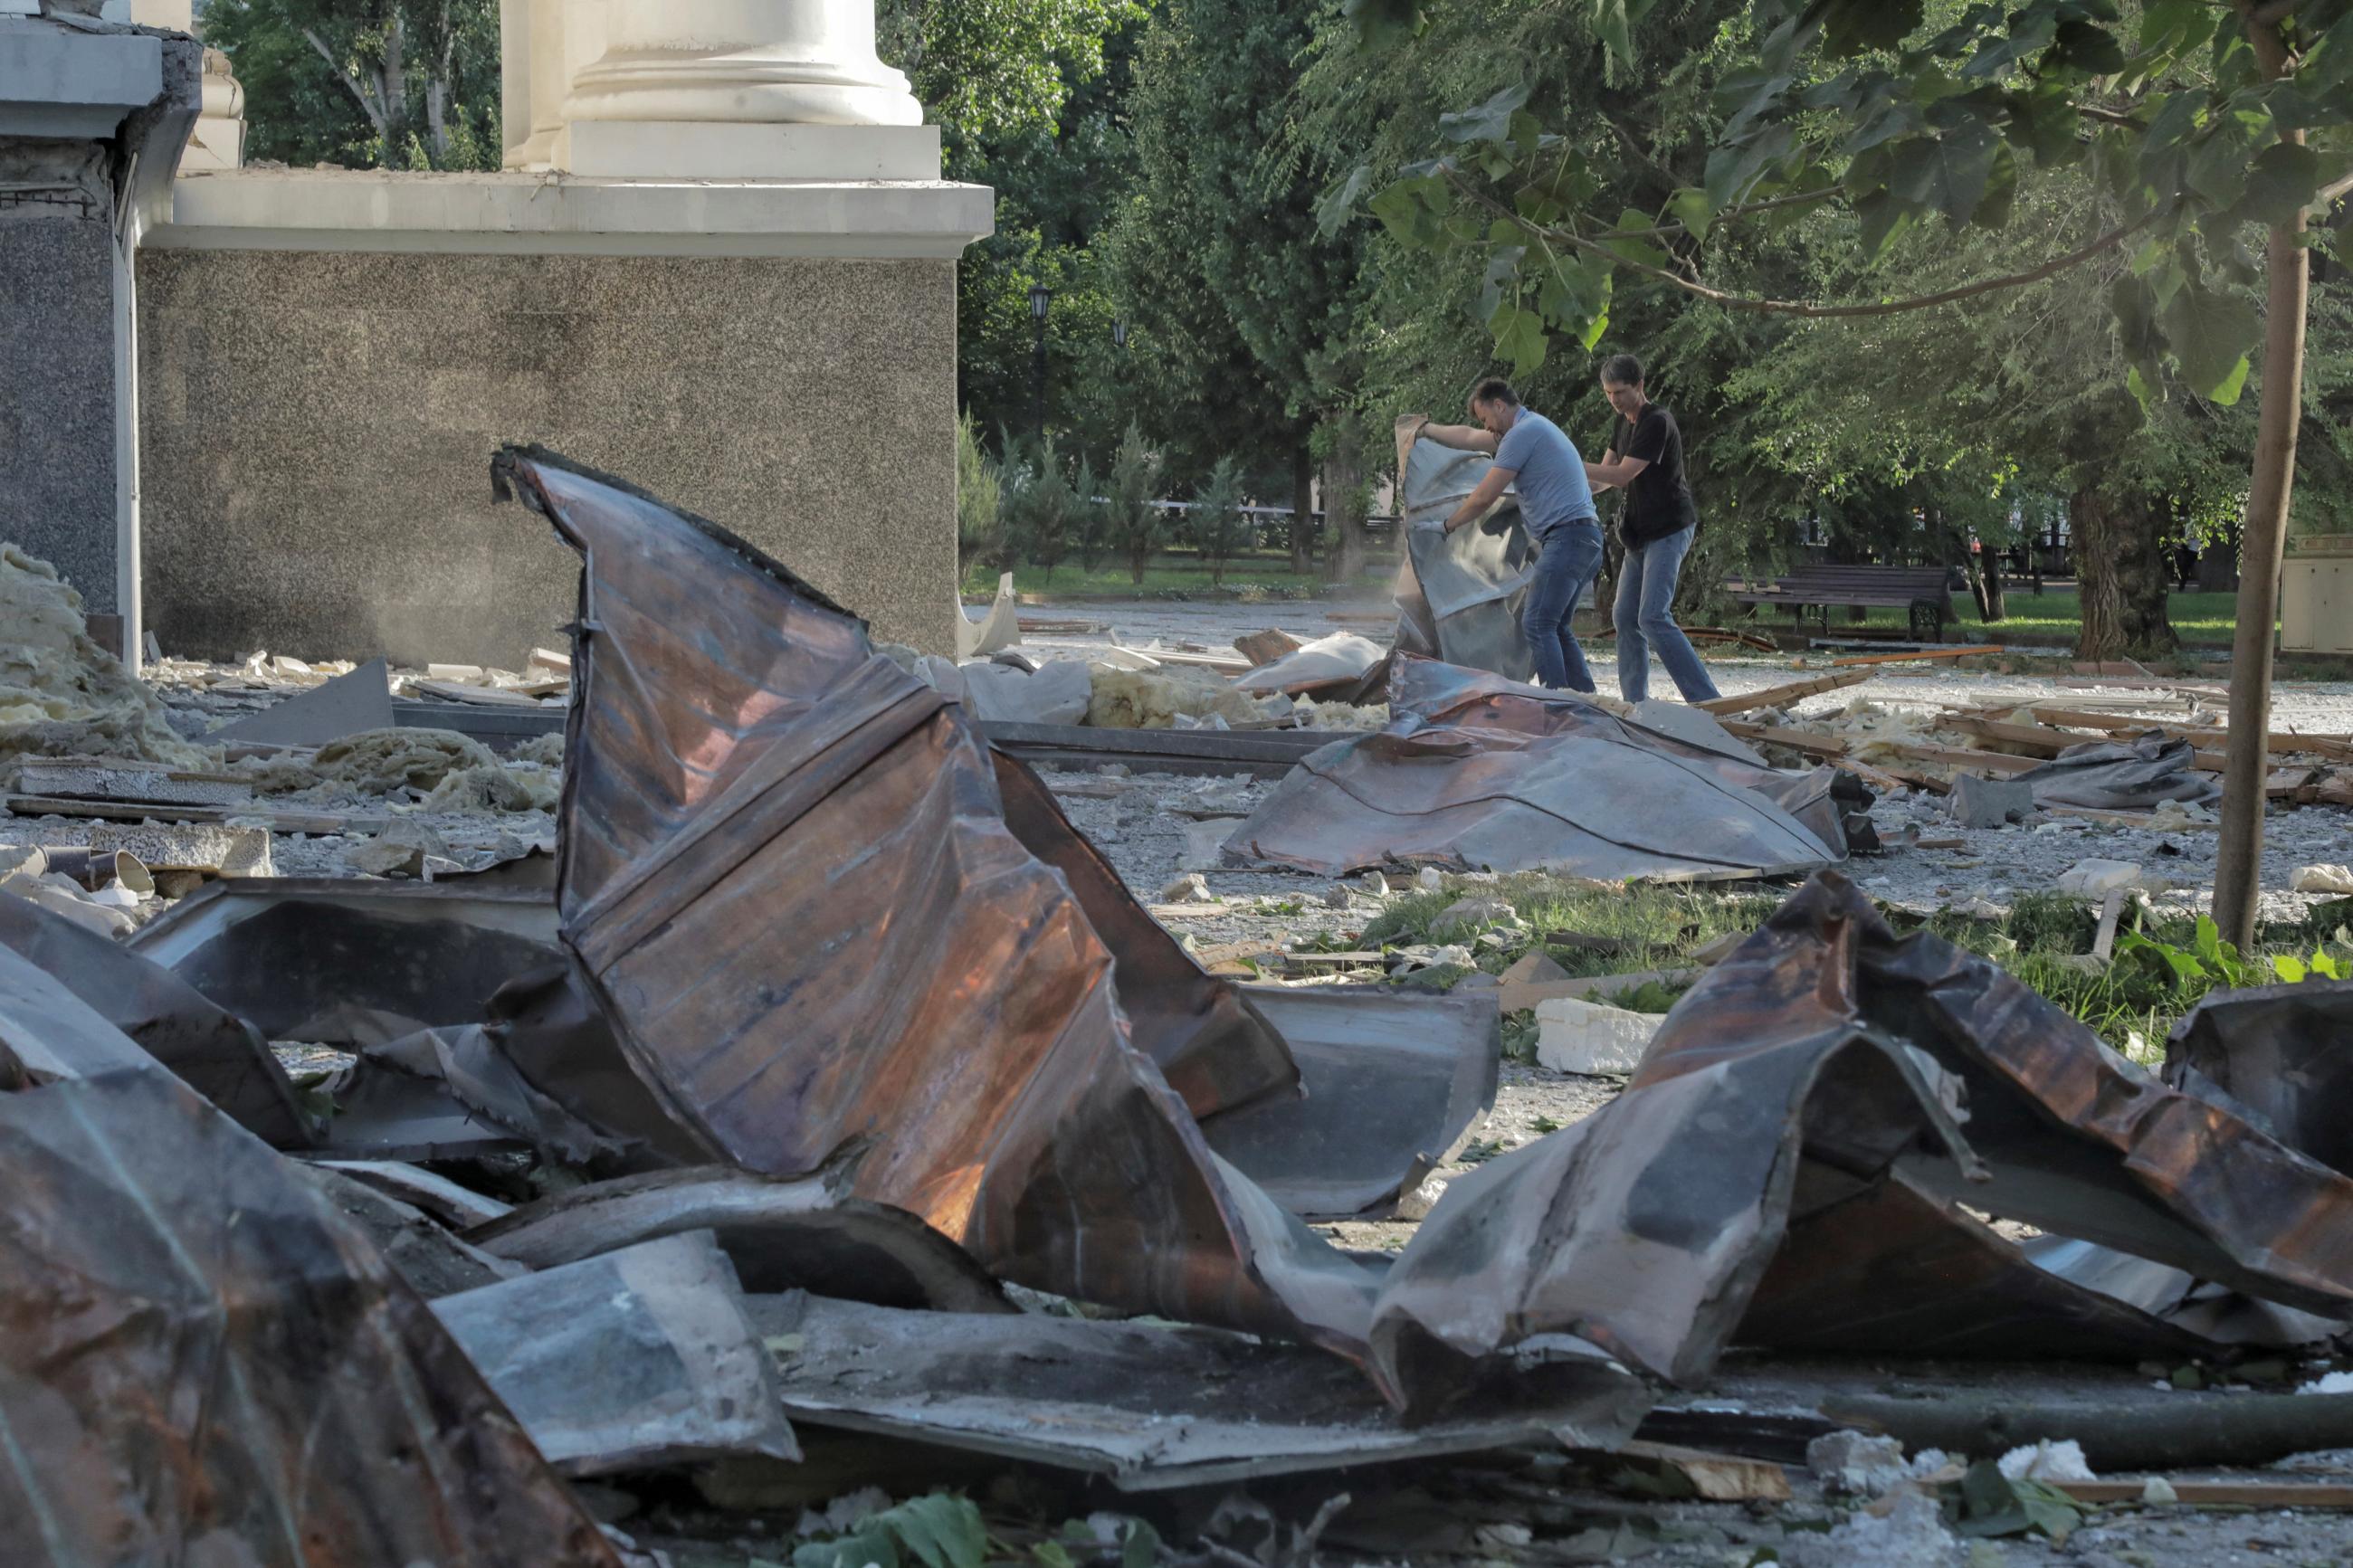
1152	699
61	695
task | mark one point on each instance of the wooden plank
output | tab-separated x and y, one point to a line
1957	757
1808	742
276	821
1775	696
1713	1478
1904	657
2034	739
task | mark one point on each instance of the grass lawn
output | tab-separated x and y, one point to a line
1261	576
2050	617
2133	1002
2054	616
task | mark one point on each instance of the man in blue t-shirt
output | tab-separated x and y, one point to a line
1534	458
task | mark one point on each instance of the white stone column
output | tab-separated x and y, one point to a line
218	140
746	89
540	80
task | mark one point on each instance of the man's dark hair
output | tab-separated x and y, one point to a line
1622	370
1495	389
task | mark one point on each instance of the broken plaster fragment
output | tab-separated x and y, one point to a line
1192	889
1591	1038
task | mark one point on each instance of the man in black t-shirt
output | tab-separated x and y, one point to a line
1655	524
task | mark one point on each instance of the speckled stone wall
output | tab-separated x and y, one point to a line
317	427
57	369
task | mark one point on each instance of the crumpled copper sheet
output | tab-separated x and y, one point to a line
787	875
1783	1167
1212	1045
1480	772
2280	1056
223	1369
217	1053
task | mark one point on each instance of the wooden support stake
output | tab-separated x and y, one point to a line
1907	658
1775	696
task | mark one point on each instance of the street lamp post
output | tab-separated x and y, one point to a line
1119	334
1039	298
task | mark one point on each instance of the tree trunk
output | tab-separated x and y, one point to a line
1302	510
2218	564
2237	868
1344	483
2121	575
1992	604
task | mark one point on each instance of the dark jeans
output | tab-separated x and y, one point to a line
1646	622
1566	562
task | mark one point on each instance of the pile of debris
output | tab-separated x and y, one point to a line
2066	754
838	1086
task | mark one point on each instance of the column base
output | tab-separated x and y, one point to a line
715	150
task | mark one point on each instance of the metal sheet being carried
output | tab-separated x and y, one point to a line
1459	594
787	874
1393	1083
1147	1406
223	1370
1785	1167
1481	773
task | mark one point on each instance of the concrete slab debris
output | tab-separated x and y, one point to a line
1982	803
1592	1039
999	629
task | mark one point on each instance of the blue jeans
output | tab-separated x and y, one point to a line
1567	560
1646	620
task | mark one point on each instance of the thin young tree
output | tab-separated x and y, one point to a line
1217	523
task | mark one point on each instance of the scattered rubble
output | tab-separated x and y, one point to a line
851	1092
61	695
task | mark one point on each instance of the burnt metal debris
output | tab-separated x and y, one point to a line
833	1034
1793	1148
225	1370
1477	772
220	1055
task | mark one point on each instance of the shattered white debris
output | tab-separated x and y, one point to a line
2321	879
2047	1461
1591	1038
1910	1534
1189	889
2096	879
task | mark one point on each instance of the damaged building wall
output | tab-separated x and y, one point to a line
314	423
92	118
57	337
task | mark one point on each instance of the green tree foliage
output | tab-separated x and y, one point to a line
1045	510
402	84
1135	523
1092	511
1214	114
1059	168
1218	526
980	494
990	68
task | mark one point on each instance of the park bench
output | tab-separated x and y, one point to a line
1919	590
